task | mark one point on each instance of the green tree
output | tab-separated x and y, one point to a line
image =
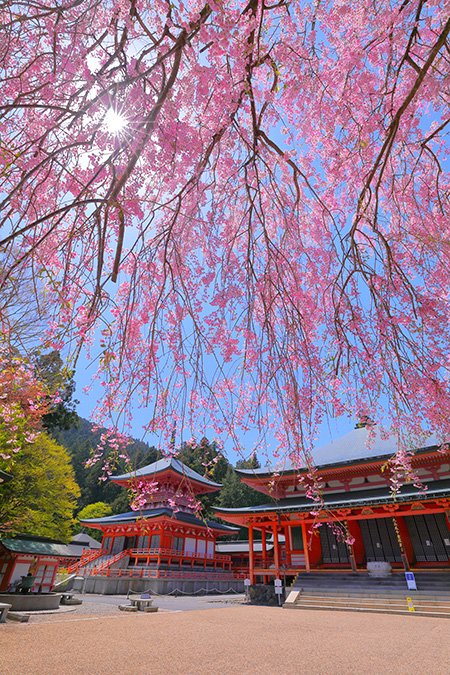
42	497
237	494
252	463
80	442
50	369
206	459
96	510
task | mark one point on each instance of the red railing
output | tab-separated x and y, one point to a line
113	559
146	552
178	554
86	558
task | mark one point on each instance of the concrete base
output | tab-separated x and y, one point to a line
20	618
378	568
121	586
31	602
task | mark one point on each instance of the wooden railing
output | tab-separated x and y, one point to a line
149	553
112	559
172	553
86	558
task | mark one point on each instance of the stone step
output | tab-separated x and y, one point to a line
336	592
371	610
433	585
400	603
375	580
351	590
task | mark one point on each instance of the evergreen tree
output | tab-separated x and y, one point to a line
49	368
206	459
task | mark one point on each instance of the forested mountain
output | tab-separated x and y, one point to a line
81	440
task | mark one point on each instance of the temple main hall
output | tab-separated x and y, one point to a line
165	545
410	531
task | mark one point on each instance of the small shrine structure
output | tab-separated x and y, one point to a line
410	532
37	557
164	545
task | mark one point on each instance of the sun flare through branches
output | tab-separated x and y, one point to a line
259	239
115	122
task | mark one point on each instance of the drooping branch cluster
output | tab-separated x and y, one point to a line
247	200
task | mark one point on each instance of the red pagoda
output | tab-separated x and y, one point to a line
164	545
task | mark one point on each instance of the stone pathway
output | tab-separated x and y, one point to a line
225	639
107	606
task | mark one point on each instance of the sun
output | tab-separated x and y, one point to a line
114	121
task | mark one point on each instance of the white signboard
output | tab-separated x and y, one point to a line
410	580
277	582
246	582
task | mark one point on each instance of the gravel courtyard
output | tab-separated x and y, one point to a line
226	637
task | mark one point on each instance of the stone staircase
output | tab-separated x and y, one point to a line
93	563
361	593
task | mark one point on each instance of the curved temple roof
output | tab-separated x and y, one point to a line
359	444
133	516
34	545
167	464
358	498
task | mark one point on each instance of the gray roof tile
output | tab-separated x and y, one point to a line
37	546
164	464
356	445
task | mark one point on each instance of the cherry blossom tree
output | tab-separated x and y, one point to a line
248	200
23	402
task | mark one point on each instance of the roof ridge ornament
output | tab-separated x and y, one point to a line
364	420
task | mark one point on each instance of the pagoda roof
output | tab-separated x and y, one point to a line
83	541
32	545
356	498
147	514
167	464
361	445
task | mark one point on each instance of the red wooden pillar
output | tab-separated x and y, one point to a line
358	545
8	574
305	547
447	519
287	545
264	552
276	551
250	554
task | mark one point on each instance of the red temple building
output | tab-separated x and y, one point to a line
164	545
411	532
26	554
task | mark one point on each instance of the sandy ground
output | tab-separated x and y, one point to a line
231	639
